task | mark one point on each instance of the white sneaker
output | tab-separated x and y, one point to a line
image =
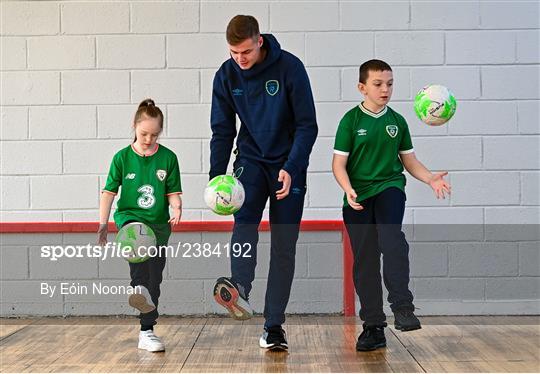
149	341
141	300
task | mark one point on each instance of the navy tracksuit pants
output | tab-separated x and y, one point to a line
260	181
373	231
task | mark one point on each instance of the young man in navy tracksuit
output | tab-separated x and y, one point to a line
269	90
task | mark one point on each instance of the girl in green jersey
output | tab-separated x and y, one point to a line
150	178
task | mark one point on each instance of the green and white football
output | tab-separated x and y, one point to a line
139	239
224	194
435	105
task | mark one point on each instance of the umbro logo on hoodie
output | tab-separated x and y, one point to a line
237	92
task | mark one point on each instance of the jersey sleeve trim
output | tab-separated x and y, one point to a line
337	152
174	193
109	192
406	152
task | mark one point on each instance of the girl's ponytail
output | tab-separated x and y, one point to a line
147	109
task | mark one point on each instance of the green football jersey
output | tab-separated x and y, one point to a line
146	182
373	142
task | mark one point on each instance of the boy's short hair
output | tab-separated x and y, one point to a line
372	65
240	28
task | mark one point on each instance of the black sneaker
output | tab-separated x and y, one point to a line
226	293
371	338
405	320
274	339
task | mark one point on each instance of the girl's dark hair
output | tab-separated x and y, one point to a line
148	109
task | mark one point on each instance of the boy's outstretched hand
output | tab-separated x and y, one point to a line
351	199
439	185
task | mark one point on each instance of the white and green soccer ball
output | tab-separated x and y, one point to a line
138	240
224	194
434	105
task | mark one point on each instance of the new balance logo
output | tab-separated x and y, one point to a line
362	132
130	176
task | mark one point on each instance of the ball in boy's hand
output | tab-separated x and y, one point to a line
224	194
434	105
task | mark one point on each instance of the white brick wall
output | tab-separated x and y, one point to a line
485	47
95	18
196	51
166	86
62	122
72	74
521	14
444	15
64	192
13	53
336	48
527	46
164	17
410	48
30	88
375	15
95	87
14	123
299	16
216	15
131	52
61	53
30	18
506	82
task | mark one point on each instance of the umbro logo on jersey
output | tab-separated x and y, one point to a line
161	174
362	132
392	130
130	176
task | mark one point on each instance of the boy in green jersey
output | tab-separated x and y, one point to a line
150	178
372	146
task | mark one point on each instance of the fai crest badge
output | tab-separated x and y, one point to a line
272	87
392	130
161	174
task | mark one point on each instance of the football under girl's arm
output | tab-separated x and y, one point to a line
105	204
420	172
339	168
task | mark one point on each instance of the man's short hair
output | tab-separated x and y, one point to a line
242	27
372	65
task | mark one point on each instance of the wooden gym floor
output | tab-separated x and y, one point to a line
317	344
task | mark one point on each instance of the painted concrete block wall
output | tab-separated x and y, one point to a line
72	74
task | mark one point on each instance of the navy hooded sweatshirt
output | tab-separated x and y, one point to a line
274	102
